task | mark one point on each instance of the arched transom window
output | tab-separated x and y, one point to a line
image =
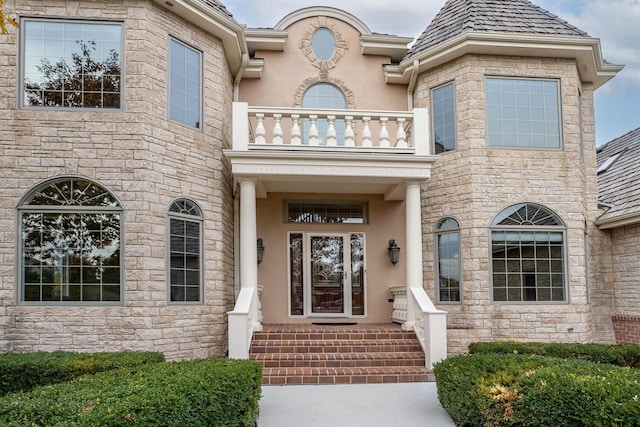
70	244
185	252
528	255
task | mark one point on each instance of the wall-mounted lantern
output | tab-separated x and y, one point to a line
260	250
394	252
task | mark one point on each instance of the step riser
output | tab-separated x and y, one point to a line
348	379
338	363
336	349
299	336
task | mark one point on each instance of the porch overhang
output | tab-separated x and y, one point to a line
314	171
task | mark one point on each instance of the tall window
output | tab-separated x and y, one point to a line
523	113
448	255
73	64
327	97
528	255
185	79
443	116
70	244
185	252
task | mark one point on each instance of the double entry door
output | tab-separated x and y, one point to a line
327	273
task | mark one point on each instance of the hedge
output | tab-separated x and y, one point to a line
25	371
530	390
210	392
620	354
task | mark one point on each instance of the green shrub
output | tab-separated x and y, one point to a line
25	371
621	355
528	390
211	392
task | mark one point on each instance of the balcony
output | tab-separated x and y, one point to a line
339	151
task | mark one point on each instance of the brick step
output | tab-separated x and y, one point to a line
364	375
334	346
332	334
338	360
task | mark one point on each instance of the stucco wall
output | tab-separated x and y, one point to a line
147	162
386	221
474	183
287	74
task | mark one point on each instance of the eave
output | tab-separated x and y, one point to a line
385	45
585	50
632	218
220	25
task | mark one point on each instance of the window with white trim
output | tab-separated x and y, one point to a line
528	255
70	244
185	252
523	113
448	256
72	64
185	84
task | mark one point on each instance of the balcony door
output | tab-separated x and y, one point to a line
327	274
327	97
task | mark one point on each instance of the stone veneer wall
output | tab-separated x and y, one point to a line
147	162
626	270
474	183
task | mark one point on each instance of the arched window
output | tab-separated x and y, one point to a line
70	243
448	256
327	97
528	255
185	252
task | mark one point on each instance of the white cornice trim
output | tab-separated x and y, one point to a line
311	12
619	221
215	22
585	50
385	45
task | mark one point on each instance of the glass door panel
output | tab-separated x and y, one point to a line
357	275
327	274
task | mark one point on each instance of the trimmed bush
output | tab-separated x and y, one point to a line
621	355
529	390
210	392
25	371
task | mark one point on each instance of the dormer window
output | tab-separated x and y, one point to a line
323	44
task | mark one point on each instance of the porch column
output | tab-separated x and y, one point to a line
248	239
413	252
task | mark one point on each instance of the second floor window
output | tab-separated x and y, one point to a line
523	113
73	64
185	84
443	113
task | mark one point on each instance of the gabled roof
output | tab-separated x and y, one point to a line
619	181
507	16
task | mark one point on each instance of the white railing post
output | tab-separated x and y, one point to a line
240	126
296	135
384	133
421	132
366	132
261	133
401	135
349	134
331	132
314	139
277	130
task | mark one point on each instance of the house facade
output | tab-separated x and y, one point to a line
173	180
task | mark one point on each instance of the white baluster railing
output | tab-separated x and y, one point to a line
334	130
241	323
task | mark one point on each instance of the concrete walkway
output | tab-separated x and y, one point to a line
352	405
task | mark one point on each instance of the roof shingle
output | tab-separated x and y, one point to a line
619	184
508	16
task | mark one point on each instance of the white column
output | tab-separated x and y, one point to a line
248	234
413	251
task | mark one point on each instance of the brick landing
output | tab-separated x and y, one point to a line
338	354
